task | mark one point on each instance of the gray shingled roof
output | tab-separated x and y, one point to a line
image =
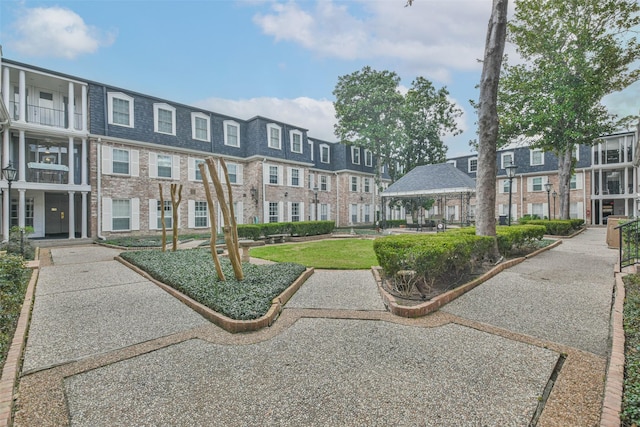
443	178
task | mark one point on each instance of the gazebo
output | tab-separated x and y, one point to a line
442	182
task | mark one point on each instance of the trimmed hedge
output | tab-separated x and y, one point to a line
510	238
298	228
557	227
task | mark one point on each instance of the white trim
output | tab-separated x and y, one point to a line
503	165
469	160
368	155
355	150
291	135
323	146
122	96
536	150
226	133
156	109
271	126
134	211
106	214
194	116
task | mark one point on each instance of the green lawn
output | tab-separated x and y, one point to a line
334	254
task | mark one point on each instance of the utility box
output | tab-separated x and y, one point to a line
613	235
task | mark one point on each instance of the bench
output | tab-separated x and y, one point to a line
245	245
273	238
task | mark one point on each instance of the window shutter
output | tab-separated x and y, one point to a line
529	184
328	211
265	173
289	216
191	211
175	172
153	169
289	177
191	169
153	214
280	177
106	214
239	211
328	182
239	174
134	157
579	181
529	209
580	210
107	166
135	214
311	180
280	211
514	211
301	211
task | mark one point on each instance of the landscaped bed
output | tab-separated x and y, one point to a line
630	415
193	273
14	278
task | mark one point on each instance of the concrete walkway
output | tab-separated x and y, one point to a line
108	348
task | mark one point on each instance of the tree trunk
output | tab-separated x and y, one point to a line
162	220
565	160
212	221
488	120
175	206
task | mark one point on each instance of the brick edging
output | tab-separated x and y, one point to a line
612	401
434	304
12	364
227	323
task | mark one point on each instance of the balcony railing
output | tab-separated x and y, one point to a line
47	116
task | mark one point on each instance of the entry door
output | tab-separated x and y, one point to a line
56	220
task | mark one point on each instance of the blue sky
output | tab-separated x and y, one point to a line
278	59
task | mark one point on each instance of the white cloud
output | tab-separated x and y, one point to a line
429	38
318	116
56	31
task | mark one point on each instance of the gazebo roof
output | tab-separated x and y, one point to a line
431	180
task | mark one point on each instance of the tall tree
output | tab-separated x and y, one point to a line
488	120
575	52
368	107
427	116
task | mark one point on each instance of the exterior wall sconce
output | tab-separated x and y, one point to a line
286	194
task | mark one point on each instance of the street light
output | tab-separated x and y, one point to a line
511	173
9	173
554	194
548	186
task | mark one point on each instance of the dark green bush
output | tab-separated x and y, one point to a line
556	227
249	231
395	223
630	414
19	243
518	237
312	228
14	278
192	272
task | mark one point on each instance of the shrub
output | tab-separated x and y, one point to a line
630	414
556	227
14	278
19	243
249	231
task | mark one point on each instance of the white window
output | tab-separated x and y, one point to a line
538	209
324	186
354	183
535	184
197	176
355	155
367	185
231	133
368	158
294	177
324	212
200	214
164	119
120	161
296	141
295	212
354	213
473	164
274	133
235	173
120	108
120	215
576	182
537	157
325	156
273	212
273	175
367	213
507	160
200	127
167	211
165	165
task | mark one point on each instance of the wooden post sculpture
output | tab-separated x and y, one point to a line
175	205
162	221
212	222
230	231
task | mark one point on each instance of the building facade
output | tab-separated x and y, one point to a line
92	160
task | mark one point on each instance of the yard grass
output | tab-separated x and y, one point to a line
331	254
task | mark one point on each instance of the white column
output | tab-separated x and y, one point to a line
21	208
22	89
72	215
71	108
83	162
5	148
6	214
6	85
84	215
21	166
83	125
70	156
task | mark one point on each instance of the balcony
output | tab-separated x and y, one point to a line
46	116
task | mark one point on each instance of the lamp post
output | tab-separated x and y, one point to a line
511	173
315	200
548	186
554	194
9	173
